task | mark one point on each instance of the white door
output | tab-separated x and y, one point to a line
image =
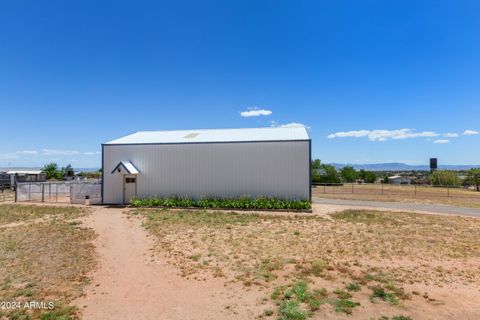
129	188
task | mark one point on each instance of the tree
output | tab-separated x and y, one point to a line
473	178
348	174
367	176
445	178
324	173
316	167
50	170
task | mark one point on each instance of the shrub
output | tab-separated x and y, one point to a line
227	203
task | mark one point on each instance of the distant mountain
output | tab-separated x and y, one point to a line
397	166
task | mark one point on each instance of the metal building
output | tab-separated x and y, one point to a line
227	163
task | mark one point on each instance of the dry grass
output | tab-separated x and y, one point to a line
43	262
380	251
7	195
23	213
401	193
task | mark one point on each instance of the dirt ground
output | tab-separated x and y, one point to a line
191	266
134	283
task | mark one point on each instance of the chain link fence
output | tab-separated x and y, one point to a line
62	192
391	190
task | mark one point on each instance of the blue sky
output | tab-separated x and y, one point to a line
374	81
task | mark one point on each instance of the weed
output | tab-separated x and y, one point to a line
344	305
290	310
400	317
353	286
342	294
268	312
301	291
380	293
195	257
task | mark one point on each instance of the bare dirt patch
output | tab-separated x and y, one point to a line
132	282
418	265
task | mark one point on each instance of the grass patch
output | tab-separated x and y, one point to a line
10	213
45	261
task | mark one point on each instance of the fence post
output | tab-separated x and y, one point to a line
415	190
352	187
29	191
382	188
43	192
448	191
56	193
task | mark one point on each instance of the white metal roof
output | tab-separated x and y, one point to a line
215	135
394	177
24	172
128	166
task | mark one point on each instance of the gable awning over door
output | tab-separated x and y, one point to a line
128	166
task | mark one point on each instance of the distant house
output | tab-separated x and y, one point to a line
26	176
399	180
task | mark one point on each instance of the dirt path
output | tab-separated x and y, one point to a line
131	283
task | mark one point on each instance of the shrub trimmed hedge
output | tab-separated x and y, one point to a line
240	203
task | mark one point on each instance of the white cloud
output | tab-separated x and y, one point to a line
441	141
17	154
255	112
346	134
53	152
91	153
383	135
470	132
451	135
30	152
288	125
293	125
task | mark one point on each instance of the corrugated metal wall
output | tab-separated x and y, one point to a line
279	169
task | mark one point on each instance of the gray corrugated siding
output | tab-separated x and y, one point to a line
279	169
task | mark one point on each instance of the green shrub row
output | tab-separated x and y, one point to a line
240	203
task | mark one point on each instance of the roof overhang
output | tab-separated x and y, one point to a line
128	166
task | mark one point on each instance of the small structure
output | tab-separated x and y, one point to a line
17	176
397	179
4	180
229	163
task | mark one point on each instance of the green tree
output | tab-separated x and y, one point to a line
348	174
65	170
324	173
367	176
316	166
473	178
50	170
445	178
